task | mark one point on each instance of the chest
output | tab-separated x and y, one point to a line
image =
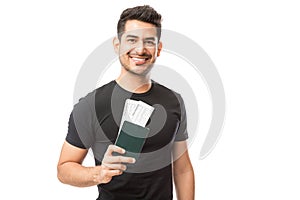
163	124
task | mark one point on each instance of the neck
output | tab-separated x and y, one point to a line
134	83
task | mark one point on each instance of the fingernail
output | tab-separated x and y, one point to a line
133	160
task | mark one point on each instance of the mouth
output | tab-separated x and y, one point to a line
139	60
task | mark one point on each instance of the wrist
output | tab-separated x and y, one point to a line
94	175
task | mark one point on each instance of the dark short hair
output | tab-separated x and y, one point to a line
142	13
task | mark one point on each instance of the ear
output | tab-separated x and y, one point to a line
116	44
159	48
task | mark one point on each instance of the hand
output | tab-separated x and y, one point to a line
112	165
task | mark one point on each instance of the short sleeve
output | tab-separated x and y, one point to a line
182	133
82	124
72	136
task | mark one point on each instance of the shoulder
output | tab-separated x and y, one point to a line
165	91
106	88
89	99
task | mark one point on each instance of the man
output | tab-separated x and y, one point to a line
95	121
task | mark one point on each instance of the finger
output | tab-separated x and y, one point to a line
115	166
107	179
113	148
106	175
119	159
114	172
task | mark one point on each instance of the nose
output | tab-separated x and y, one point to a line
140	48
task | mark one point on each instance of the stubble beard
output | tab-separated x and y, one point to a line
133	72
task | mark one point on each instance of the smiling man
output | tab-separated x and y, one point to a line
139	48
95	120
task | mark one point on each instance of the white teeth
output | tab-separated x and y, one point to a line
138	59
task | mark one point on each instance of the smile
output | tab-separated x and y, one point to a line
139	60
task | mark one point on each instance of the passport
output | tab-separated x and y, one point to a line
132	138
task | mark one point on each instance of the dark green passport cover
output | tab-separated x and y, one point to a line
132	138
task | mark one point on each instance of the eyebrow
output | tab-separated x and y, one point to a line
150	38
134	36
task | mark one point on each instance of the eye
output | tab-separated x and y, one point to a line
131	40
150	43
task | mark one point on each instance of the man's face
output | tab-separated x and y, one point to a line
138	48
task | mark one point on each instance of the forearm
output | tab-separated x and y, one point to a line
185	185
77	175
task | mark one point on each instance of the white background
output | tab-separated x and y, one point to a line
255	46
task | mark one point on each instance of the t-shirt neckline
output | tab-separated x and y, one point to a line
136	94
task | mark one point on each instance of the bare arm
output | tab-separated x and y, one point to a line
70	170
183	172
